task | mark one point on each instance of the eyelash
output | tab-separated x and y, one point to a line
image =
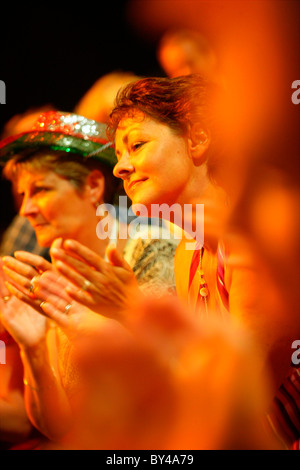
36	191
137	145
40	189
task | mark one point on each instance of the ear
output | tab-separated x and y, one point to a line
198	141
95	186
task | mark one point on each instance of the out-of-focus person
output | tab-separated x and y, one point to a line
171	382
98	101
185	51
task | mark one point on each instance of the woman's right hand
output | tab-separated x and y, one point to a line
22	272
23	322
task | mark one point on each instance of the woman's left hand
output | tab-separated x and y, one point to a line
108	288
57	305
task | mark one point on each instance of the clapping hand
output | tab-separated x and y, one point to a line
20	319
107	288
22	272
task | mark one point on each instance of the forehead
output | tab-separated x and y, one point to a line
134	117
28	177
140	122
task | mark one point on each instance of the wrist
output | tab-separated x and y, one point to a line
36	353
27	384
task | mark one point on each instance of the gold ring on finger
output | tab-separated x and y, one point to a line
32	283
86	284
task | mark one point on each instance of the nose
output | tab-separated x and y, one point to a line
28	207
124	168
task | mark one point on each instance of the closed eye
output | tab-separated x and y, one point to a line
137	146
40	189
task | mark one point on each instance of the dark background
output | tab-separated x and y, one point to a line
52	52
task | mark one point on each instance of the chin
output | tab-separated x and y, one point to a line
144	201
148	203
142	209
45	241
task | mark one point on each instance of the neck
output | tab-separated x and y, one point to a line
91	241
96	232
213	220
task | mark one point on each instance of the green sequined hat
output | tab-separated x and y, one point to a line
59	130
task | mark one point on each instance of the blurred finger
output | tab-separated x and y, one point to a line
20	283
47	286
54	277
72	261
85	253
57	243
52	312
76	278
81	267
40	263
58	301
18	266
115	258
21	280
35	303
81	297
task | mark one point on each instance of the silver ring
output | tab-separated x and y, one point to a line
67	308
86	284
6	298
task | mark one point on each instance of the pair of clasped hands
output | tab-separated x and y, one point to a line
76	282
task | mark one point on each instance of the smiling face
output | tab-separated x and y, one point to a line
153	161
52	204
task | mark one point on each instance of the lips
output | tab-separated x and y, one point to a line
133	183
39	225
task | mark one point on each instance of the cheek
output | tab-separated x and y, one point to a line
52	207
172	170
60	206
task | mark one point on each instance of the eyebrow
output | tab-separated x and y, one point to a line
126	136
34	183
125	139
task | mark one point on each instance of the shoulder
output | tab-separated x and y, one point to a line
141	253
152	261
150	244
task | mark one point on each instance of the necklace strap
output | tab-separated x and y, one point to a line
221	256
195	262
198	290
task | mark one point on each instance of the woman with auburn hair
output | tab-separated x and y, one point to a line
171	148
